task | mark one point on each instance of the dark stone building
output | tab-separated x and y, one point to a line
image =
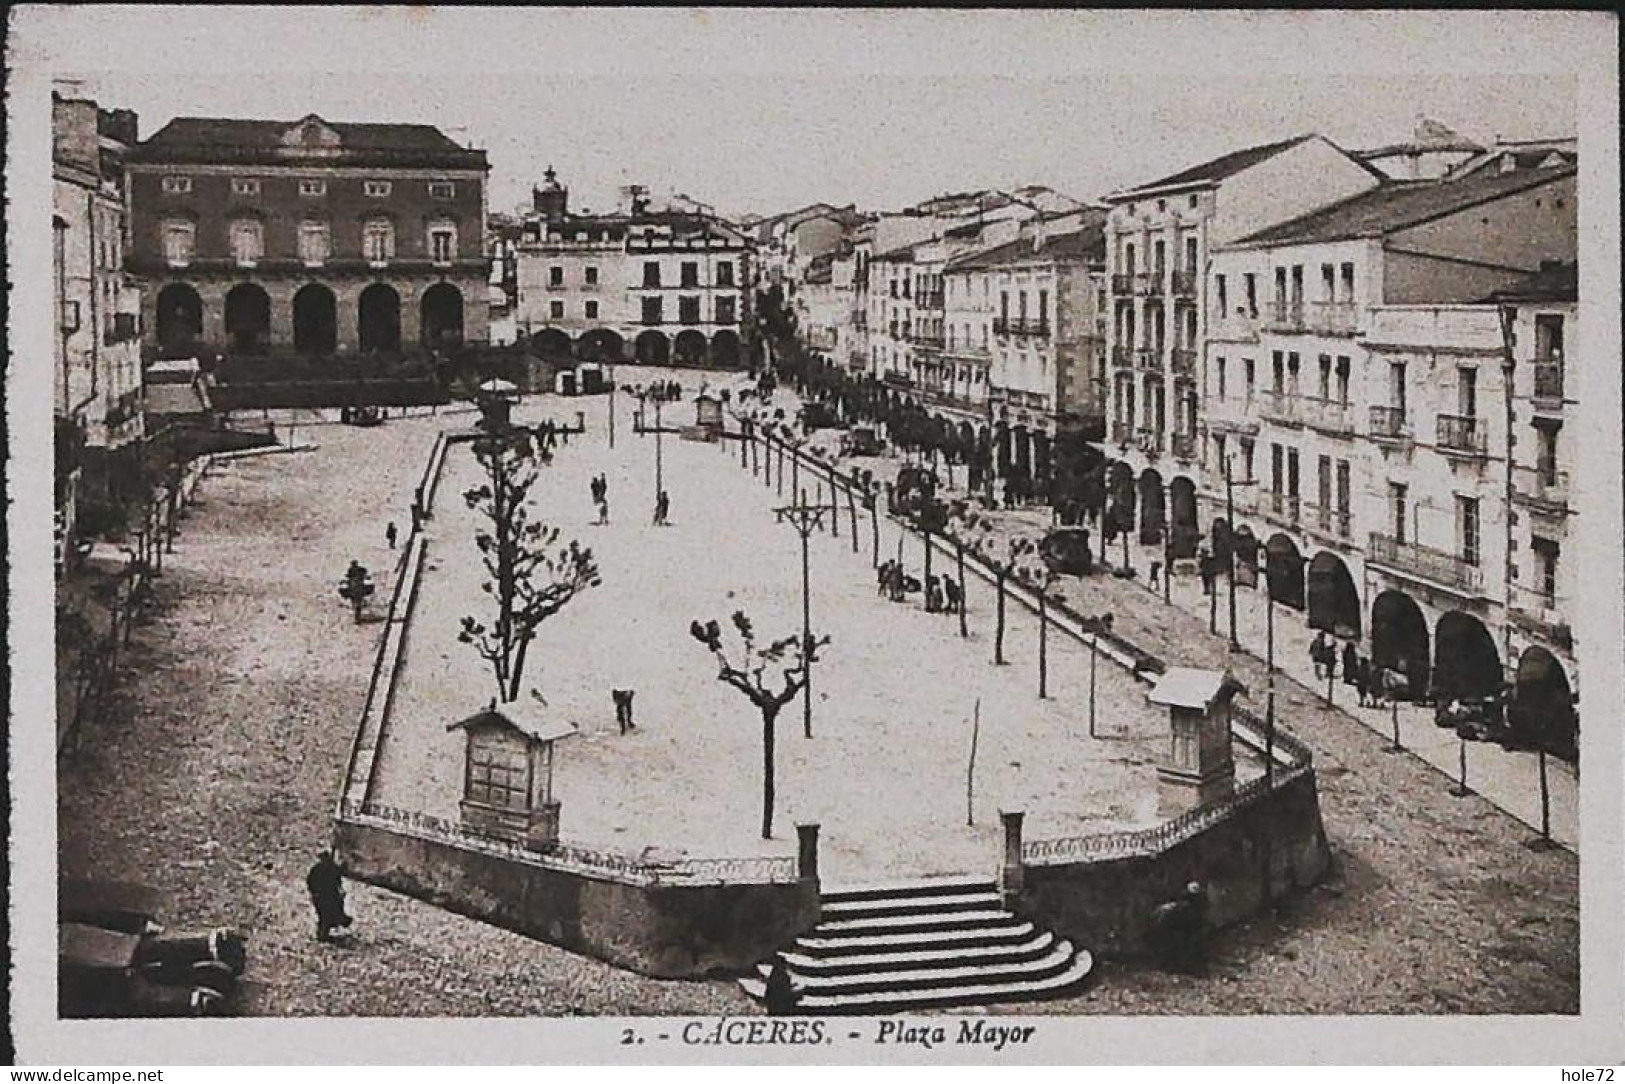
312	237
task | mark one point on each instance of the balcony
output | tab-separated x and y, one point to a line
1460	434
1279	407
1548	385
1184	447
1148	284
1123	285
927	340
1389	423
1184	283
1123	357
1283	508
1240	326
969	351
1001	325
1230	414
1122	433
1434	566
1541	614
1015	397
931	300
1328	523
1541	490
1327	416
1148	359
1029	327
1149	442
1285	316
1184	362
1333	317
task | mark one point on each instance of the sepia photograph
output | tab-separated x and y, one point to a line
1034	535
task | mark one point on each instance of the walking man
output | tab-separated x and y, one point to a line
623	709
389	534
1155	579
662	509
326	884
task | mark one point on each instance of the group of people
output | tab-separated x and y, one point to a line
548	434
942	594
600	497
1374	685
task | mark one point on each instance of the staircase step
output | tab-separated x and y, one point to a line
950	920
911	959
857	944
972	993
925	886
926	978
903	905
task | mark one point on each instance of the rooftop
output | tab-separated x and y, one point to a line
1399	205
204	139
1082	245
1219	168
1555	281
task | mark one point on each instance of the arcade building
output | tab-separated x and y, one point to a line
308	237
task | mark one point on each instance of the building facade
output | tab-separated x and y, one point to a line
640	285
312	237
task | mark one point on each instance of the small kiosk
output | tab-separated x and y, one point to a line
707	419
508	774
1199	769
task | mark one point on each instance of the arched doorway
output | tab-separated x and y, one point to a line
601	345
1153	511
689	348
1182	510
248	318
551	343
725	349
1219	538
1399	640
653	348
1120	498
1042	467
1246	551
180	317
1466	664
1542	712
440	317
315	320
1001	443
378	320
1283	568
1334	604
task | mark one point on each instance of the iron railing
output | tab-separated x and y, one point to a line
1184	283
1549	381
1388	423
1123	284
1432	564
1286	316
1122	357
1184	361
1184	446
1461	433
1327	415
1148	283
1333	317
1279	406
1543	488
1148	358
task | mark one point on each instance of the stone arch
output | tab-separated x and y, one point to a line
1153	509
1283	570
601	345
551	342
1542	711
180	317
1120	497
315	319
1187	533
1466	663
689	348
1001	445
1334	604
1219	538
1246	546
440	317
378	319
1400	640
725	349
653	348
248	318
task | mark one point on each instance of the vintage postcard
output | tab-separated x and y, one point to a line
901	536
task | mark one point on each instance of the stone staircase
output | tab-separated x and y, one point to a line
924	944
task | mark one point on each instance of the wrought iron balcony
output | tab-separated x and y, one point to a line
927	340
1460	434
1433	565
1285	316
1184	283
1279	407
1549	384
1184	447
1184	361
1123	285
1333	317
1327	416
1328	522
1541	489
1122	357
1122	433
1029	327
1149	441
1284	508
1148	284
1239	326
1148	359
1542	614
1389	423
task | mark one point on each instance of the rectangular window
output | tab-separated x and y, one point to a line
1398	509
1250	372
1347	277
1246	460
651	273
1467	392
442	190
1219	367
442	245
378	239
177	185
1219	290
1396	386
310	187
178	241
652	311
1277	475
1546	455
1326	376
591	308
725	310
314	243
245	186
1343	496
590	276
1343	380
689	274
1323	481
1328	282
1251	283
555	310
1292	473
247	241
1043	306
1278	372
1467	535
555	276
377	189
1546	555
688	310
1549	337
725	273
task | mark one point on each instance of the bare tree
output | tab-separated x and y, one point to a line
1036	573
1002	554
789	655
532	574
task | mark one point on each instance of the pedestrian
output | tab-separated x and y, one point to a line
1204	567
623	709
950	591
603	511
662	509
325	881
1319	648
1362	679
781	993
389	534
1180	929
1154	580
933	594
1351	662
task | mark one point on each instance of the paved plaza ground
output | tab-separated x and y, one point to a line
215	774
885	775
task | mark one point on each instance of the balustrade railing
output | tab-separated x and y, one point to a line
1327	415
1148	283
1549	381
1389	423
1425	561
1184	361
1461	433
1541	487
1148	358
1184	446
1286	316
1122	357
1278	406
1333	317
1183	283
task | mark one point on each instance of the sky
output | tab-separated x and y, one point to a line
767	110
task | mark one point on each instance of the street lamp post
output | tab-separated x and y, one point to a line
805	519
612	405
1230	565
1168	545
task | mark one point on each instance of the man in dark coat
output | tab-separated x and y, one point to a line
326	884
781	994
